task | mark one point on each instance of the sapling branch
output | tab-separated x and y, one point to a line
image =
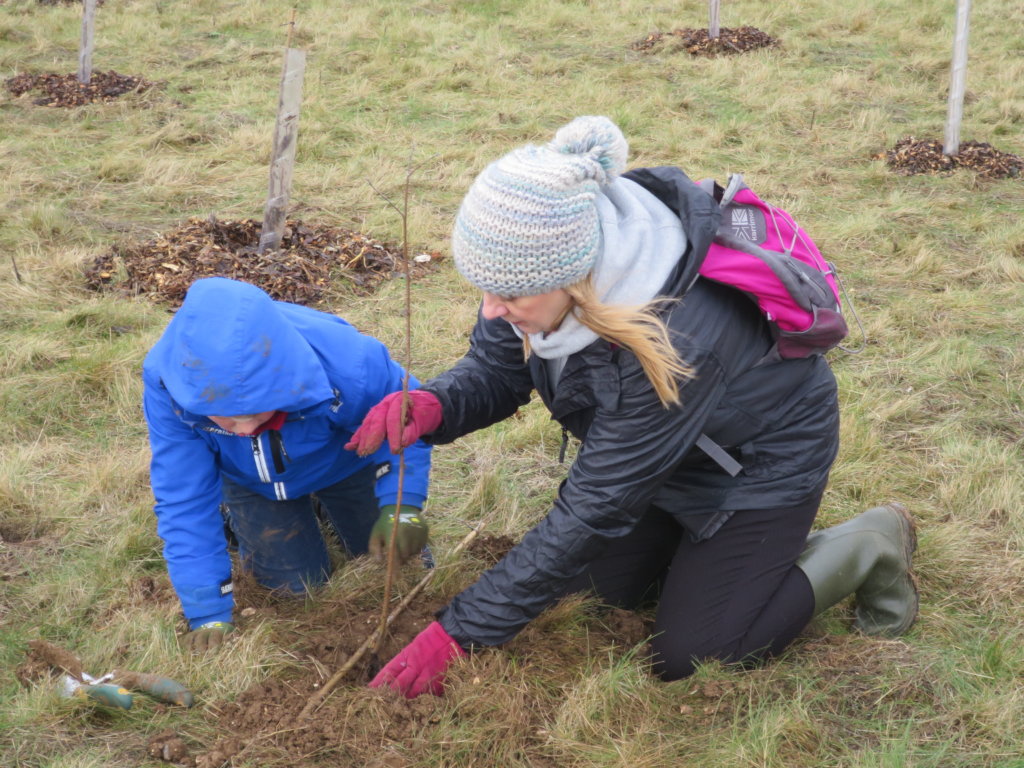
392	558
374	638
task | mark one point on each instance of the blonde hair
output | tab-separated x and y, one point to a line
638	329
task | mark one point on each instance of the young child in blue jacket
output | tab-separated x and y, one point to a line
249	403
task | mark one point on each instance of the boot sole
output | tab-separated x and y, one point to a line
909	528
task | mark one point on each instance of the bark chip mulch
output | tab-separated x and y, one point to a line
65	90
913	156
696	42
300	271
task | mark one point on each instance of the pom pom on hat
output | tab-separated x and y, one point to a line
529	223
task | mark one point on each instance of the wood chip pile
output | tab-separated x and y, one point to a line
697	43
299	271
912	156
65	90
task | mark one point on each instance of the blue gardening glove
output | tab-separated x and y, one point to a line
207	637
411	537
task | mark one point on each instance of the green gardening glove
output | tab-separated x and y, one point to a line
411	537
207	637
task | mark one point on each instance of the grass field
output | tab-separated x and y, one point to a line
932	408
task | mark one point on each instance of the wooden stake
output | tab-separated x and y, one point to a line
316	699
286	135
713	29
88	38
958	79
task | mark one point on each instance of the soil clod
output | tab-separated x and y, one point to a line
169	747
697	42
913	156
490	548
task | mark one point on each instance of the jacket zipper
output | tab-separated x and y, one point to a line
280	491
261	460
277	451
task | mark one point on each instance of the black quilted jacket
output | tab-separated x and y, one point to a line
780	421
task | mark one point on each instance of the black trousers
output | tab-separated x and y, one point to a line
736	597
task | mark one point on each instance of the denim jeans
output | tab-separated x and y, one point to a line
281	543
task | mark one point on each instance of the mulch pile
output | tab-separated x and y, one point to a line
697	43
299	271
912	156
66	91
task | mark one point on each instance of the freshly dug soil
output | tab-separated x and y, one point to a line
697	43
356	725
913	156
66	91
490	548
44	659
299	271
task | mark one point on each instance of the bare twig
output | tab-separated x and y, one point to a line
373	639
17	274
389	576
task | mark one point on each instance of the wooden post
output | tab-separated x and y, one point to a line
958	79
713	19
88	38
282	158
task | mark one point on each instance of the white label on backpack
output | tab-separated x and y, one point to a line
746	222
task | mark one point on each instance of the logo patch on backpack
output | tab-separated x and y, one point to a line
745	222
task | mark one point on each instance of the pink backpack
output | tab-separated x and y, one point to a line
762	251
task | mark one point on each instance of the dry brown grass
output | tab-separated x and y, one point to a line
932	409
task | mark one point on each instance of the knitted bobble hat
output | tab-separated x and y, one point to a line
529	223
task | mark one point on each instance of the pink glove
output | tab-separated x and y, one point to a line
420	666
423	417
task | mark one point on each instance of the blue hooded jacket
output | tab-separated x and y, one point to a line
232	350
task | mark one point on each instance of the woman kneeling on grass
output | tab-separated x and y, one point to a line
587	271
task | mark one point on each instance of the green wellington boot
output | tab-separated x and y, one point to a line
870	557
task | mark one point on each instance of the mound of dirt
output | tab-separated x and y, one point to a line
697	42
913	156
66	91
353	724
299	271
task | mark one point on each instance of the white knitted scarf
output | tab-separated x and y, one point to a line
642	240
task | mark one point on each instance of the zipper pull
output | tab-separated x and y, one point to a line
277	451
565	444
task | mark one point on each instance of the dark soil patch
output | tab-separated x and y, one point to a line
44	654
696	42
490	548
913	156
356	725
300	271
66	91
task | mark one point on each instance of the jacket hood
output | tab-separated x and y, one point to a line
229	350
696	209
